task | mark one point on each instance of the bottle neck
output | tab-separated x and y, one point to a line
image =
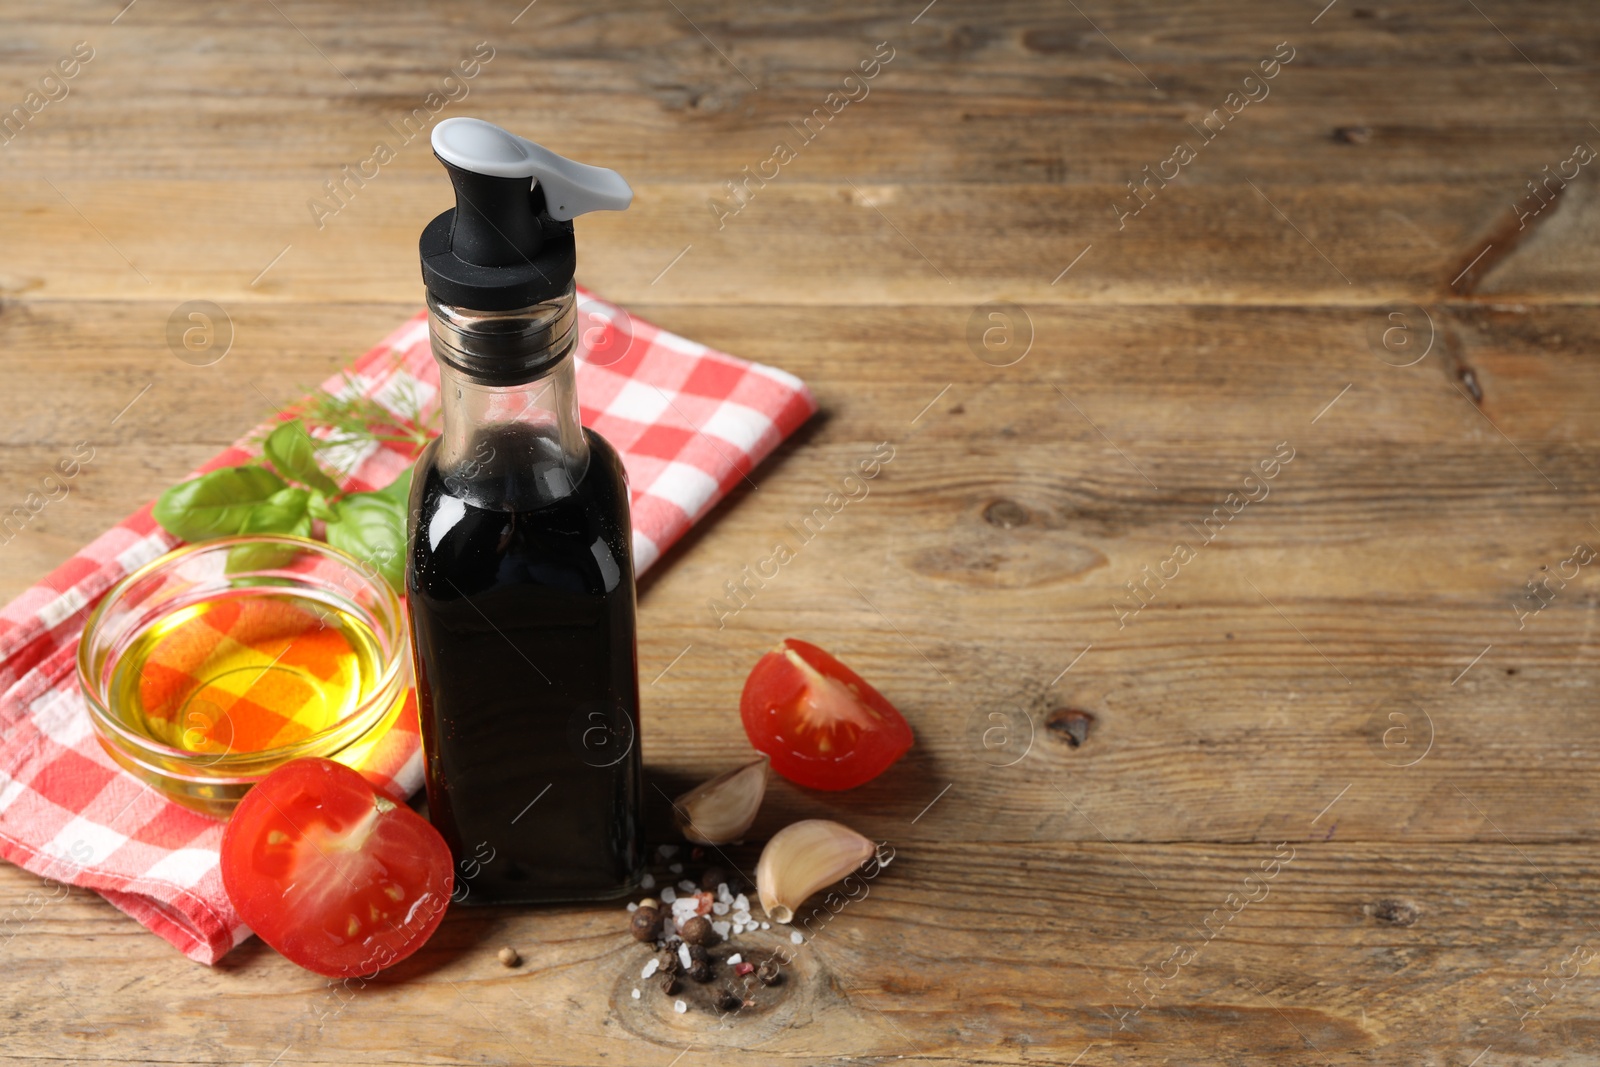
508	445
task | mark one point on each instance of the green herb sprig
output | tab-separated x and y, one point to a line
285	491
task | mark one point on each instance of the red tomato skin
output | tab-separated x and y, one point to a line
319	798
770	709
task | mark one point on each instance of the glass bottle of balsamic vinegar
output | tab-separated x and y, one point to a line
520	569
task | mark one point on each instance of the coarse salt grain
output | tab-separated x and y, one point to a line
633	907
675	868
766	926
684	958
649	968
719	907
687	886
668	895
679	1006
647	882
720	928
735	958
743	917
722	892
667	851
635	994
741	903
796	938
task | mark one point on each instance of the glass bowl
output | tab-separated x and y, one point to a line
178	669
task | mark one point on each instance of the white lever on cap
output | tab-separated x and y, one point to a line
570	188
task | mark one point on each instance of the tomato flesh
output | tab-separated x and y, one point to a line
334	876
821	724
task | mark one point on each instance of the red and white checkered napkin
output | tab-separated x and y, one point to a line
689	423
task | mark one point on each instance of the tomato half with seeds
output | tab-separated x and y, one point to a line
821	724
335	876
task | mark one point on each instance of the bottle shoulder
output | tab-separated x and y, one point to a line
519	469
581	540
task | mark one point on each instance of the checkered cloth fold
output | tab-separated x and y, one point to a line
689	422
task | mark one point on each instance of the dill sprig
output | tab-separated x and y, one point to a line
348	416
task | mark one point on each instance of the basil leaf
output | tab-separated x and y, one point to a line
284	512
290	450
372	528
318	507
216	504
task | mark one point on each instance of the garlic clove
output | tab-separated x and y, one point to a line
721	810
801	859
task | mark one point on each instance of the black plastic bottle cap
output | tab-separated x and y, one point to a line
508	241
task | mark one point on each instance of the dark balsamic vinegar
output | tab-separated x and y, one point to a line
524	637
520	571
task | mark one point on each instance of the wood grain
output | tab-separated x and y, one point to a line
1349	669
1345	954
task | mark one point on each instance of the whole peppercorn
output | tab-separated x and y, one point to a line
667	961
697	931
669	984
645	925
509	957
728	1000
700	971
713	877
767	973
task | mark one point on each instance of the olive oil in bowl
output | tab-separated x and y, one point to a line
209	668
245	672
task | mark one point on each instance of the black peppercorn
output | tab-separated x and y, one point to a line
728	1000
697	931
667	961
713	877
768	973
699	964
645	925
669	984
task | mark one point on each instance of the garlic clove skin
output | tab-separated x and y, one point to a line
720	810
801	859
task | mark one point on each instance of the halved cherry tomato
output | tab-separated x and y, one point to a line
822	725
339	879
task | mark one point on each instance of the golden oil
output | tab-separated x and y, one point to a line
247	671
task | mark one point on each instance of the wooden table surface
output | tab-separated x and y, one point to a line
1256	478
